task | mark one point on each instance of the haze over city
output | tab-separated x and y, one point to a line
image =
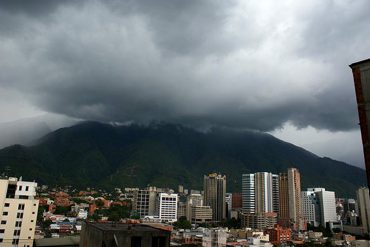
278	66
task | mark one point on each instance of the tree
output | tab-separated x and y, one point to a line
99	203
182	223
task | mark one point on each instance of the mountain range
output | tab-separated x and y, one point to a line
166	155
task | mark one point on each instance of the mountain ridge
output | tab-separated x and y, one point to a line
104	155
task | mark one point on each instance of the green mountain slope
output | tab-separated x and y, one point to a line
101	155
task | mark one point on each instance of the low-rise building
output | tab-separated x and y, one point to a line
121	234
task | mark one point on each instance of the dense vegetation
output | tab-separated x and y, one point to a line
101	155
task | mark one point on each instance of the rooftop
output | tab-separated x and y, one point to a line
111	226
360	63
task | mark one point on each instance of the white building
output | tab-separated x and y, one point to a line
18	208
325	206
82	214
167	207
309	206
214	237
260	192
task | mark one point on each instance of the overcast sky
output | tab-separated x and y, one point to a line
275	66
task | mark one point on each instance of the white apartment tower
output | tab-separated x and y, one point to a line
327	205
318	206
167	207
260	192
18	208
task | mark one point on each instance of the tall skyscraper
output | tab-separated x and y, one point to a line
260	192
290	210
283	215
361	77
18	208
248	193
364	208
214	195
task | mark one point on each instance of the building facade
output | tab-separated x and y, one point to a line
260	192
290	206
214	195
361	77
327	205
364	208
144	202
18	208
167	207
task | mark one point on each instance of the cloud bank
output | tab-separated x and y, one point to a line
240	64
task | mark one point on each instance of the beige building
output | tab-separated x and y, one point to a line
201	214
363	201
18	208
290	211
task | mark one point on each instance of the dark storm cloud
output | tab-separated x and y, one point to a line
230	63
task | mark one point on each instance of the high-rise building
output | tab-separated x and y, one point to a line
283	215
260	192
167	207
144	202
309	208
290	209
319	206
192	200
18	208
327	209
361	77
248	193
214	195
363	202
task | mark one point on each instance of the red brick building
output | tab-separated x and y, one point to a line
236	201
279	234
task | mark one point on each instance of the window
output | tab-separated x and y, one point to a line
6	205
19	215
18	223
1	240
135	241
5	213
20	187
17	232
27	188
33	212
2	230
3	222
21	207
30	229
15	241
